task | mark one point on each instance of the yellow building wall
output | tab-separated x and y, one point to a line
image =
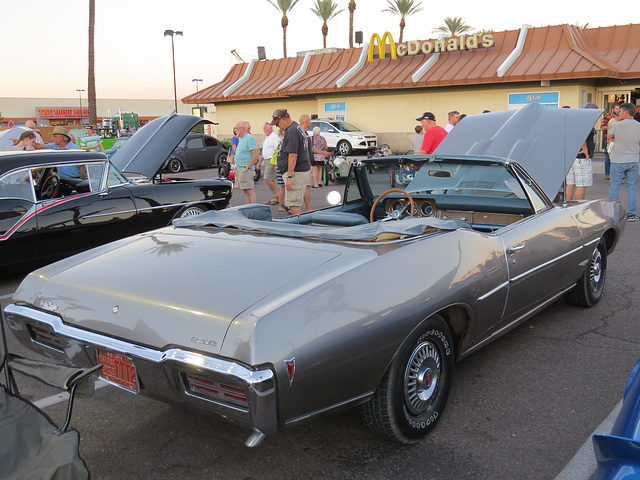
391	114
256	113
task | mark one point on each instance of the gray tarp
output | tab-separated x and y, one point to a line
233	218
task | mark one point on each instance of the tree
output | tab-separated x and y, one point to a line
325	10
284	6
352	8
403	8
453	26
91	84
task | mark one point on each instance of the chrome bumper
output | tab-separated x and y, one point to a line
161	374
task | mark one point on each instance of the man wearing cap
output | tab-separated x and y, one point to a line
91	141
293	160
433	134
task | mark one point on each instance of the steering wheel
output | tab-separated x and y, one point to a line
395	215
50	188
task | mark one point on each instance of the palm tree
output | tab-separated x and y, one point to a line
453	26
325	11
91	86
403	8
285	7
352	8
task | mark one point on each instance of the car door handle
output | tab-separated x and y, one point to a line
514	249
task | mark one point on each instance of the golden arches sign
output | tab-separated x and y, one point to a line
381	42
451	44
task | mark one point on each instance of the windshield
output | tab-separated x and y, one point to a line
444	178
344	126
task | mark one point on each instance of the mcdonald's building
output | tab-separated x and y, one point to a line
383	86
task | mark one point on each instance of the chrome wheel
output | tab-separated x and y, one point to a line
595	271
192	212
422	377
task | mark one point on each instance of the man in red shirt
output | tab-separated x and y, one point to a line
433	134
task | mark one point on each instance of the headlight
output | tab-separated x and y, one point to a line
359	137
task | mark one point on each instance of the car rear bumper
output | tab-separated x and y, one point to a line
208	384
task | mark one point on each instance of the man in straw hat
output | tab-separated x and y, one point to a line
60	140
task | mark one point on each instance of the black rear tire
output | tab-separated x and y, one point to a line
590	287
414	391
174	165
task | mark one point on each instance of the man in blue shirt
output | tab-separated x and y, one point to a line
246	157
60	140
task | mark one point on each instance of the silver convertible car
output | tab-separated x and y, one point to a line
369	302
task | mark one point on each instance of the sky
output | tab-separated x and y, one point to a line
133	57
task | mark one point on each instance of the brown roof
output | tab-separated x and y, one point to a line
559	52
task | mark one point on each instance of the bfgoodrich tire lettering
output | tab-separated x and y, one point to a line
414	391
590	287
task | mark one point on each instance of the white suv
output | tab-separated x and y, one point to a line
344	137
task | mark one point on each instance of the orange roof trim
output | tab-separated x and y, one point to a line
560	52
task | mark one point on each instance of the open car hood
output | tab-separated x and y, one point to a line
147	151
7	136
545	141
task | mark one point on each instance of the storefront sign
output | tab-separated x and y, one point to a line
335	107
452	44
62	112
547	99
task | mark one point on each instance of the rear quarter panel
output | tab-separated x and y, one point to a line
344	332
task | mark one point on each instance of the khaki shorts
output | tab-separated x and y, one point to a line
268	171
245	179
299	183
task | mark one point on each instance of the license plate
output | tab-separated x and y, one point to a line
119	370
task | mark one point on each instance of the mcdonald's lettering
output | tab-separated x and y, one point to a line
375	38
413	47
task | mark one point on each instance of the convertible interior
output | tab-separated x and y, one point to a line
483	196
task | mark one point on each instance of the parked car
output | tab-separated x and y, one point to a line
197	150
368	302
55	203
119	142
343	137
8	136
618	454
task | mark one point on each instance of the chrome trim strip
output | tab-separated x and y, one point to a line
147	209
495	290
216	365
518	320
554	260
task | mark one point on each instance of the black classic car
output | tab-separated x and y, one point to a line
54	203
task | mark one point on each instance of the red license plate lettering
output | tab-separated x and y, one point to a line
118	369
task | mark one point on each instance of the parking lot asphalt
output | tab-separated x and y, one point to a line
519	408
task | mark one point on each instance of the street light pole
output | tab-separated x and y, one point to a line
172	33
79	90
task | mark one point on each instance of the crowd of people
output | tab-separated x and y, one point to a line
291	161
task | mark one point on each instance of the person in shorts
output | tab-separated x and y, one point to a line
293	160
580	176
246	159
270	145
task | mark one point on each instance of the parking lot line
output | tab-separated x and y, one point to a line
61	397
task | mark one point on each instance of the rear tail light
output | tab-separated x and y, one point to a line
46	337
216	391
